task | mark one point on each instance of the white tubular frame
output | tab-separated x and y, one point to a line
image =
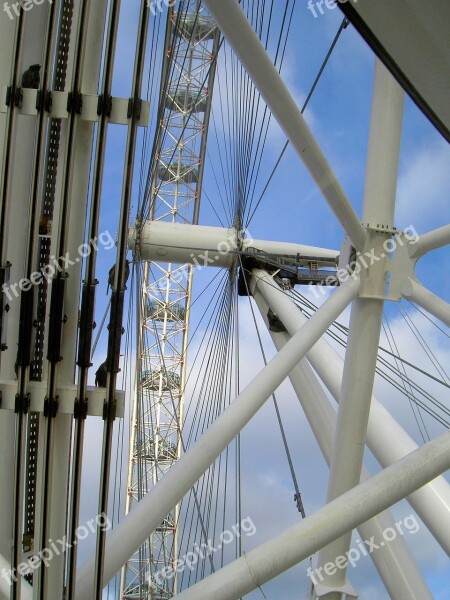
211	246
342	514
438	238
393	561
140	523
367	312
419	294
385	437
251	53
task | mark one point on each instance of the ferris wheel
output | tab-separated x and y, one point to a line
224	303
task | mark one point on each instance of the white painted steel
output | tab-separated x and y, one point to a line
185	244
5	588
367	313
431	241
203	245
251	53
7	420
79	186
393	561
146	516
388	441
15	247
346	512
419	294
327	257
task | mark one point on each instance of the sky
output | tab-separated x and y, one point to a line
294	210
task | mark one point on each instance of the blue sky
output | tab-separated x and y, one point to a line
294	210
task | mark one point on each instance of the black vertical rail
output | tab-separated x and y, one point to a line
56	313
22	402
86	325
5	175
118	293
5	191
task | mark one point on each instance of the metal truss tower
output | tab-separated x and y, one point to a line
191	46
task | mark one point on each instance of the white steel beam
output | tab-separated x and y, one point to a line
431	241
393	561
203	245
385	437
419	294
251	53
146	516
367	312
327	524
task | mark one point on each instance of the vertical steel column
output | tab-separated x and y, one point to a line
367	310
72	166
118	288
89	85
393	561
9	29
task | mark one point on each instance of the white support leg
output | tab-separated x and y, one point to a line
150	511
385	437
430	241
346	512
393	561
240	35
419	294
367	310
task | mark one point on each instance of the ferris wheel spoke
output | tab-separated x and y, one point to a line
253	56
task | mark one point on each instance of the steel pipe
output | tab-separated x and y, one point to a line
431	241
327	524
203	245
385	437
419	294
367	312
145	517
252	55
393	561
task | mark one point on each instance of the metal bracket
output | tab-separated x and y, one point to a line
112	409
51	407
80	409
22	404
